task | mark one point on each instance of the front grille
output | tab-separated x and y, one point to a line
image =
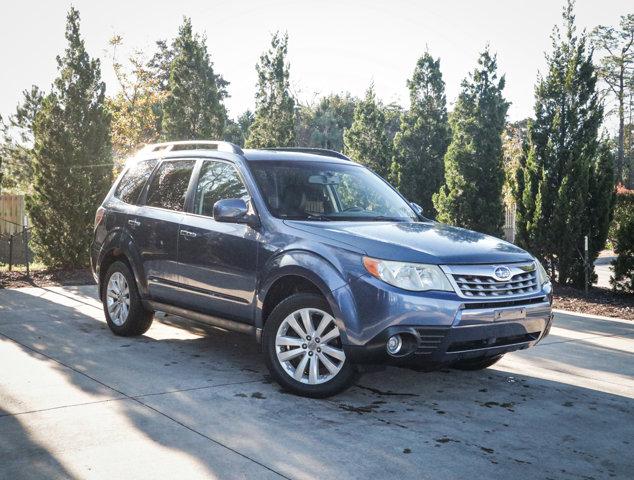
501	304
479	286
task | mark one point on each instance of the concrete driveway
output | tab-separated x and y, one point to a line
185	401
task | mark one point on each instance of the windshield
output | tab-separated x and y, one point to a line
328	191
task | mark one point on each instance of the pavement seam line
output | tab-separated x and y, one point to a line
168	392
59	407
217	442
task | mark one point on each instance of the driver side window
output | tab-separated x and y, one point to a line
217	181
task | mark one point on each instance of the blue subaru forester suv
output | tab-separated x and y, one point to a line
317	257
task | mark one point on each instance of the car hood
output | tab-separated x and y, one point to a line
424	242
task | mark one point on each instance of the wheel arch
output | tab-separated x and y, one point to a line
298	272
119	247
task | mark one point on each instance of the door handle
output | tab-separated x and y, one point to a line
134	223
188	234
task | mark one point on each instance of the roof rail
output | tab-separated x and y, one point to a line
317	151
192	145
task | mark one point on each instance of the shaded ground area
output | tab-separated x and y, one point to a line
186	400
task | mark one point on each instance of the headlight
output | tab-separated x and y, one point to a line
542	276
408	276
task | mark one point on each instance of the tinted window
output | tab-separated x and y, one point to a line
133	180
218	180
169	185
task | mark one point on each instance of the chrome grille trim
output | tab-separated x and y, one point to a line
478	281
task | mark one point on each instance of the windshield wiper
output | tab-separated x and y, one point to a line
380	218
313	216
308	216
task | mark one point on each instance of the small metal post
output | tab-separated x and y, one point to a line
586	263
10	252
25	233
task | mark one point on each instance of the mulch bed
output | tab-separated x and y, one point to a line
599	301
46	278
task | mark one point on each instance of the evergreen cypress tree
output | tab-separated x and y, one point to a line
565	187
366	141
330	118
421	143
474	172
193	109
274	123
72	156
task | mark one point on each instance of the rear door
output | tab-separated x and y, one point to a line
156	227
218	260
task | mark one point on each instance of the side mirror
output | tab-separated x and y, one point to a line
234	210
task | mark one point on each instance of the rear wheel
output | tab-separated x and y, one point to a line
303	349
477	363
122	305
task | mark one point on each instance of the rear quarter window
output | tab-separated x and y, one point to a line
133	180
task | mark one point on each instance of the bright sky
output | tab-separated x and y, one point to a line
334	45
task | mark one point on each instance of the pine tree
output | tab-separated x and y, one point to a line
474	173
72	157
424	135
274	123
617	72
564	189
16	142
193	109
329	120
366	141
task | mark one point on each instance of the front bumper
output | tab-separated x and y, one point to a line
463	330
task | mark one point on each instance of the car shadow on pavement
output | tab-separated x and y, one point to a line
212	387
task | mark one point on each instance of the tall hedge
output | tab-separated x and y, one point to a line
622	236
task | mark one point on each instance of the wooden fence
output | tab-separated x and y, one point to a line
12	213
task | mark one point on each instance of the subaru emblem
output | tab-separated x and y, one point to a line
502	273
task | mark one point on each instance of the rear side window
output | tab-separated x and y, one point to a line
133	180
217	181
169	185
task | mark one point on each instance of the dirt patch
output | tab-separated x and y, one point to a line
598	301
46	278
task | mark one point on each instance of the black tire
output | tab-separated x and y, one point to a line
139	319
342	380
476	363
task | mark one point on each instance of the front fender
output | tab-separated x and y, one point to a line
316	269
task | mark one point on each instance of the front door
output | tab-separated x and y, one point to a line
218	260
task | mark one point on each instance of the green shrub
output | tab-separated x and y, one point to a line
622	237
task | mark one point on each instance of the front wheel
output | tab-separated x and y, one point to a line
303	349
477	363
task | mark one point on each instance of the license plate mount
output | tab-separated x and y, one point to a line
510	314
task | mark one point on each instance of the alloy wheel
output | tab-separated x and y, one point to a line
308	346
118	298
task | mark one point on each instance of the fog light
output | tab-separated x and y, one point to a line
394	344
